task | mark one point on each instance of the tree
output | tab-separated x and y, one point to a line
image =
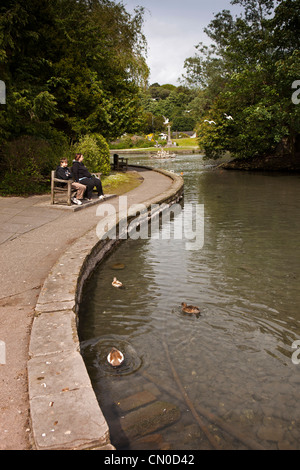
75	65
171	102
257	55
71	67
96	153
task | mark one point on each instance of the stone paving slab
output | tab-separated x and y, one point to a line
76	208
19	217
4	236
58	376
63	429
10	210
52	333
57	306
4	217
56	373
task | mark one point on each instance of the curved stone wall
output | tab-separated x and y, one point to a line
64	410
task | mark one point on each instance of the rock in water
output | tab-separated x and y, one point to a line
149	419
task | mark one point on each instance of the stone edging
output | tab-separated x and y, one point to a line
64	411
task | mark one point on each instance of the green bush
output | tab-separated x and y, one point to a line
25	182
27	163
144	143
124	143
96	153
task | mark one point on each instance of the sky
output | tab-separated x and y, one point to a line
173	28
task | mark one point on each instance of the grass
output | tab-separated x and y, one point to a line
182	144
120	183
186	143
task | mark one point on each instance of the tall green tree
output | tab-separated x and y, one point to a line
72	65
172	102
257	56
71	68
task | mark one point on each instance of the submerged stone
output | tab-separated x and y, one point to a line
137	400
118	266
149	419
150	442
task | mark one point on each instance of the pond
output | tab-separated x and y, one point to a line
228	378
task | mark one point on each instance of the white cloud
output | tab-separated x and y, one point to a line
173	28
169	44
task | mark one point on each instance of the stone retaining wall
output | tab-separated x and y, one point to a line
64	411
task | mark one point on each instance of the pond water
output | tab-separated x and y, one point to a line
231	372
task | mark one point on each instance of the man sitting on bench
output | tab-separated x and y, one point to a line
64	173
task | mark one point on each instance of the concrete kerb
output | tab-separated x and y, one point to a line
64	411
75	208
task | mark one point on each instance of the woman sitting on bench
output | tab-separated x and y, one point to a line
83	176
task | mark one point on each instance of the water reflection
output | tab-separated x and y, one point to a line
235	359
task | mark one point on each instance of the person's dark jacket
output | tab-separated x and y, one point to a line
63	173
80	171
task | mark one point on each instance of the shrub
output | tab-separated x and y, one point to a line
123	143
96	153
24	182
132	143
144	143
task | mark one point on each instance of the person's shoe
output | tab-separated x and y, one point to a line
102	197
76	201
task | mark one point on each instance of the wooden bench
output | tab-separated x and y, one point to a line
120	163
64	188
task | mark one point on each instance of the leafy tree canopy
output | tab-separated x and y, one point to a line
247	74
170	101
71	65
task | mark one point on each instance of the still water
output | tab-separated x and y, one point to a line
232	371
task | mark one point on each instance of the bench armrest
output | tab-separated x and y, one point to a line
57	180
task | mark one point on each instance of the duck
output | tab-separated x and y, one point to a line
190	309
115	357
116	283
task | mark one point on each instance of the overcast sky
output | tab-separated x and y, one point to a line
173	28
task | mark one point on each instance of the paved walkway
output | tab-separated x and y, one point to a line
33	235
